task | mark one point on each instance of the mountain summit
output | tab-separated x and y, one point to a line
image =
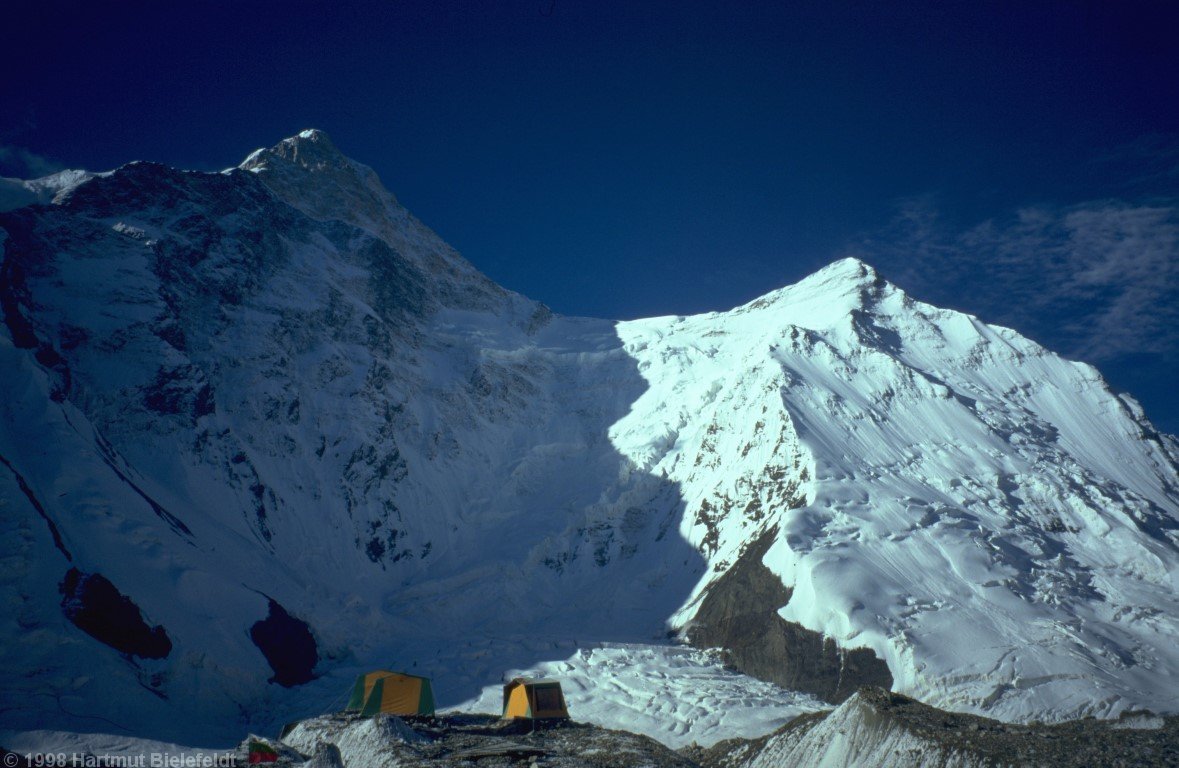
262	428
311	150
310	163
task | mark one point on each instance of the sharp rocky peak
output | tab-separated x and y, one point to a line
308	172
311	149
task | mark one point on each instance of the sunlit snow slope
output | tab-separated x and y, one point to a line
986	516
272	395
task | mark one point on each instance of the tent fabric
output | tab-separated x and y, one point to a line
392	693
261	753
534	699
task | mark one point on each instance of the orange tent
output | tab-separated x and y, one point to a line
534	699
394	693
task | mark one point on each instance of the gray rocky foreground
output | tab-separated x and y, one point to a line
872	728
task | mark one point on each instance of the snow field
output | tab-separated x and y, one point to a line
673	694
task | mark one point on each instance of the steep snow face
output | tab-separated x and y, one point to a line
238	410
272	395
17	193
878	728
986	516
308	173
854	734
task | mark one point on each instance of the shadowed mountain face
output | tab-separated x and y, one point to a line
274	387
296	429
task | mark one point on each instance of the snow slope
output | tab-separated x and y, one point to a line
676	695
17	193
273	386
875	728
854	734
986	516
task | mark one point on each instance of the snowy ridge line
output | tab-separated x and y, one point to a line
878	728
344	415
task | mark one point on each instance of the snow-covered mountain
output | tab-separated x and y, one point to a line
17	193
877	728
262	428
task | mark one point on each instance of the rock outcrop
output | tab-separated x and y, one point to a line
739	613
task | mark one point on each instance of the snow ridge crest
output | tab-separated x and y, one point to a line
324	392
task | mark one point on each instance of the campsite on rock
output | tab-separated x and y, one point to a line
873	728
386	724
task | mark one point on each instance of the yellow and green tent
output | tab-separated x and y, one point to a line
534	699
391	693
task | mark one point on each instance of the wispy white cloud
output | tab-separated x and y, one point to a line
18	162
1098	281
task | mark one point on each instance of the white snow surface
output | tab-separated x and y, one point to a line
854	735
275	382
676	695
71	744
17	193
363	744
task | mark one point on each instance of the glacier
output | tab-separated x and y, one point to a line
273	389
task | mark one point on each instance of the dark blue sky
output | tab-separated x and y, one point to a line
1017	160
